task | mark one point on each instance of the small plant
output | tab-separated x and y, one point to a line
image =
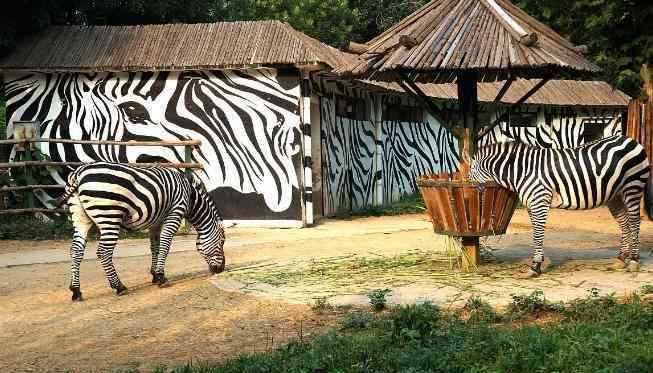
415	321
358	320
533	304
322	305
594	307
647	289
378	298
481	310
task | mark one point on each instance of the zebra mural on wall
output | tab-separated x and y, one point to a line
112	196
248	122
557	128
613	171
403	150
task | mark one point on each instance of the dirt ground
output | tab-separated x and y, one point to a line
262	300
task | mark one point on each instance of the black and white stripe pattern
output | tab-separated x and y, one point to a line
248	122
557	128
358	156
112	197
612	171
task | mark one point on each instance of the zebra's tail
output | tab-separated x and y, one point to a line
648	197
71	187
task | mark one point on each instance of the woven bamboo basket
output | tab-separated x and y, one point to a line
467	208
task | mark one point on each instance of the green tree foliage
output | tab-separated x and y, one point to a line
619	33
377	16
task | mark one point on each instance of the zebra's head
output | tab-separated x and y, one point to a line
206	218
481	165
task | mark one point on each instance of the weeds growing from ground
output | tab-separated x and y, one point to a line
26	227
321	305
421	338
378	298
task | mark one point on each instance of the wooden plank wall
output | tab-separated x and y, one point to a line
640	121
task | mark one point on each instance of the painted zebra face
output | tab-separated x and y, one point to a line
247	121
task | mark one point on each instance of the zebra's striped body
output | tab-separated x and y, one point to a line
113	196
613	171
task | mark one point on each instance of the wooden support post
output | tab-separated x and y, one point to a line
472	255
188	158
29	195
468	99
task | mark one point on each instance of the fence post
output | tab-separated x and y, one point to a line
188	158
29	194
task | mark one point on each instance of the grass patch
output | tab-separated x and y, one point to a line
423	338
408	204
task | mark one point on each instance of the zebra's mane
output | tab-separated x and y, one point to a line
512	144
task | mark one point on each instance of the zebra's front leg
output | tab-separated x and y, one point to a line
108	239
155	241
168	230
620	214
538	212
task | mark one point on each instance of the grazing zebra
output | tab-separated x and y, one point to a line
613	171
111	196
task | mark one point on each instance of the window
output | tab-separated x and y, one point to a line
400	113
523	119
352	108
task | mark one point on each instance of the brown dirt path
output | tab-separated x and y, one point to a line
212	319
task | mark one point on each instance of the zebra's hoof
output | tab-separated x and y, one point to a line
618	264
161	280
529	273
633	266
121	290
77	294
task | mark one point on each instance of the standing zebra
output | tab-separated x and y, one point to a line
613	171
111	196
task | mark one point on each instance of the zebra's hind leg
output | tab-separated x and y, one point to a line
168	230
155	241
632	201
108	238
620	213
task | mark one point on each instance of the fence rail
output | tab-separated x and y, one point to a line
24	145
103	142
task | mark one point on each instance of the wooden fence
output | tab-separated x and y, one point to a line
25	147
640	124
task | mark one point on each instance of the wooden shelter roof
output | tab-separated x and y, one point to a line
170	47
492	37
560	93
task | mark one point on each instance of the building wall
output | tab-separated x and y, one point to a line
248	122
373	162
556	127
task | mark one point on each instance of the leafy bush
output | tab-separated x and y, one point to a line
481	310
533	304
415	321
27	227
378	298
647	289
421	338
321	305
358	320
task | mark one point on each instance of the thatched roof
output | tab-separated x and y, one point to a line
492	37
561	93
170	47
